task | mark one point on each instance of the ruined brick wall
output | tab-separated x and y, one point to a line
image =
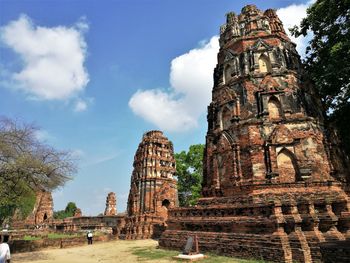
153	189
269	188
111	202
114	224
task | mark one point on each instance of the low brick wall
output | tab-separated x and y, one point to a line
18	246
335	252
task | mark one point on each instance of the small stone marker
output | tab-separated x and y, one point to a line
191	250
188	247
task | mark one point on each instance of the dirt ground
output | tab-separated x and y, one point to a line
115	251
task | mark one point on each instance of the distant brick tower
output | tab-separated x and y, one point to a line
269	189
78	213
111	202
153	188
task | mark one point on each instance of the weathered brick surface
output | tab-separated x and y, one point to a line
336	252
270	189
153	190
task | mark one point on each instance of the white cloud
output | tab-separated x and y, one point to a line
53	58
292	15
191	83
80	105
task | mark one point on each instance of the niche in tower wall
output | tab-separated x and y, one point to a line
264	64
229	114
261	56
231	68
270	104
226	160
281	163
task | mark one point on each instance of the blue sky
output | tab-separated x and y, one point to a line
96	75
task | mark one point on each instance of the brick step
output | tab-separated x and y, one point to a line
237	250
235	219
294	244
238	239
230	241
228	236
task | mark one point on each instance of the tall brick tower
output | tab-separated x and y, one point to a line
153	188
269	189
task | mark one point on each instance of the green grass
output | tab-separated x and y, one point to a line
152	253
59	235
31	238
213	258
50	236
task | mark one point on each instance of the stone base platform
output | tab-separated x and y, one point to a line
282	224
190	258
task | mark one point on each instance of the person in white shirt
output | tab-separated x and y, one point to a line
5	256
89	237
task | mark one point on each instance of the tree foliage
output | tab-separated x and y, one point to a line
189	172
28	165
328	56
69	211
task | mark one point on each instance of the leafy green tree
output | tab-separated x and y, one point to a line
69	211
327	61
189	172
26	204
71	208
27	165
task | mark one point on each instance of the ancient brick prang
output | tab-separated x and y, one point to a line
43	209
153	189
269	188
111	202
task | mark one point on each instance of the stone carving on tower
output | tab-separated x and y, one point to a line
153	189
269	190
111	202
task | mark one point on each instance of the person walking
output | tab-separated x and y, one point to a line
5	256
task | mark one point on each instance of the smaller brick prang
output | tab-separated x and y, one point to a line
111	203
